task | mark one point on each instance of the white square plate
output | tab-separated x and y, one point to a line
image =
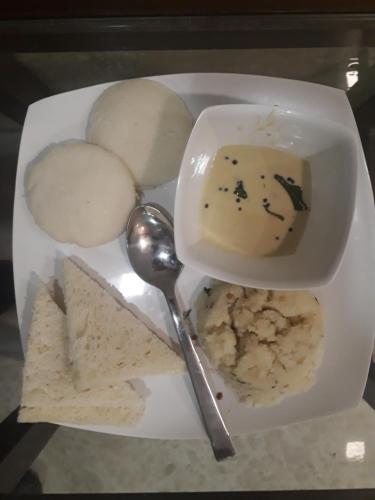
348	302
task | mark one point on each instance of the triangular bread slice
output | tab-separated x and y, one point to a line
49	393
107	342
89	415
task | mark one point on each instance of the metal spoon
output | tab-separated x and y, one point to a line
151	250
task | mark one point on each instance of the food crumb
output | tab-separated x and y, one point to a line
186	314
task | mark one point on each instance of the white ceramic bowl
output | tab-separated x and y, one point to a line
331	151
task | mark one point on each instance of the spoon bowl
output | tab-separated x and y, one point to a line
151	249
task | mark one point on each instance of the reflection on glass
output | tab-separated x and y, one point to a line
352	73
355	451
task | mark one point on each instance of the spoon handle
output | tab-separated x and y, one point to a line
217	432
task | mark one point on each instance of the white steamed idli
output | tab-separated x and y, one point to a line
146	125
80	193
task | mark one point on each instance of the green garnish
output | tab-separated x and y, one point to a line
295	192
240	190
266	207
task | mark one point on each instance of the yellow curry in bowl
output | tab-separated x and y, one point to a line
256	200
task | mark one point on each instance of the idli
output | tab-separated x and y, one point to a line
146	125
79	193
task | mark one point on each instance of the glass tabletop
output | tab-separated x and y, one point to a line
44	57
